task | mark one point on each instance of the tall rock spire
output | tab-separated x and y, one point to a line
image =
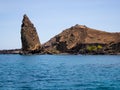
29	37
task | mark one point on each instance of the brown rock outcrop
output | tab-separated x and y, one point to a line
29	37
80	39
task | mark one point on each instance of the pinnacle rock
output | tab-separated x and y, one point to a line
29	37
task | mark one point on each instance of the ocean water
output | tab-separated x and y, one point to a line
59	72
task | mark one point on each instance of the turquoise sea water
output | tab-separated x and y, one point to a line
59	72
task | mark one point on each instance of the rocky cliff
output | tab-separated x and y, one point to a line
29	37
80	39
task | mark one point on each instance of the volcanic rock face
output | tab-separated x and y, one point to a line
29	37
80	39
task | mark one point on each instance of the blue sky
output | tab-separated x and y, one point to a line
51	17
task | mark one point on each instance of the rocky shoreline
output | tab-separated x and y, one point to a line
19	51
78	39
12	51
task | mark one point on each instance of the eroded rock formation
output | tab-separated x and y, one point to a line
78	39
29	37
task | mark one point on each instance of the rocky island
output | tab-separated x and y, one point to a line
78	39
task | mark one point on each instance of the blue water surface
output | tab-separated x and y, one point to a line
59	72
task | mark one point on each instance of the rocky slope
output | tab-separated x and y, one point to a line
80	39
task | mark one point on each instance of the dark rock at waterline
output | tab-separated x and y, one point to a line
12	51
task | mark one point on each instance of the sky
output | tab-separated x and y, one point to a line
50	17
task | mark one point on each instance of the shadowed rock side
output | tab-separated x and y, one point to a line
80	39
29	37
